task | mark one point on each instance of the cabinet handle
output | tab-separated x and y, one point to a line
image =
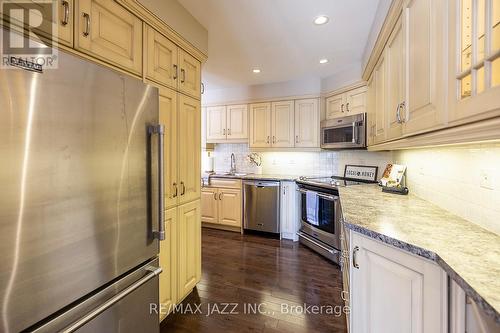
65	6
342	107
176	72
86	32
220	196
355	257
183	75
347	107
202	88
183	191
228	131
175	193
224	131
274	139
403	107
267	141
296	139
215	195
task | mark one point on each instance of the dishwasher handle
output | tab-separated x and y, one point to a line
262	183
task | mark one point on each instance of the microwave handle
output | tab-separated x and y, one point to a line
355	132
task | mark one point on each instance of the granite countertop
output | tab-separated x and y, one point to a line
467	252
252	176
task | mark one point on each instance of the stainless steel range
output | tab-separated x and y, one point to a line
321	213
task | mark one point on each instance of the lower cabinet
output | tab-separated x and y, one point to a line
394	291
180	255
289	211
222	206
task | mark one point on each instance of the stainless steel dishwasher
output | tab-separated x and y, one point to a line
261	205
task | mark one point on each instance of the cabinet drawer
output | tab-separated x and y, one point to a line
225	182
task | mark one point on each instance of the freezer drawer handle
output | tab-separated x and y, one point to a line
154	271
303	235
160	130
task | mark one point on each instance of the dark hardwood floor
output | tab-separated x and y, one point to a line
238	270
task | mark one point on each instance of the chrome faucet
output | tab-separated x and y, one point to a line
233	164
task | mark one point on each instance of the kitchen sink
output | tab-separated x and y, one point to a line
236	174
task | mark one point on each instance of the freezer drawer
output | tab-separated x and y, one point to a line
128	305
261	204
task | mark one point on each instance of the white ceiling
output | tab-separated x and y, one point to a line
279	37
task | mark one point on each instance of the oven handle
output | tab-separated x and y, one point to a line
303	235
321	195
355	132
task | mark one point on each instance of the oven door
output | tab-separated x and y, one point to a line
327	227
347	132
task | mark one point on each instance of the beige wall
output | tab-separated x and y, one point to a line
179	19
451	178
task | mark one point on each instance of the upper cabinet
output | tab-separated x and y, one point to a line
285	124
307	123
107	31
189	75
169	65
424	22
227	123
260	125
161	56
347	103
474	60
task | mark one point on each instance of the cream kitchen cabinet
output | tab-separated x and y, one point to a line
107	31
169	118
222	205
227	123
188	248
307	123
189	148
282	124
161	58
393	291
379	123
347	103
474	60
371	114
189	74
260	125
289	210
168	263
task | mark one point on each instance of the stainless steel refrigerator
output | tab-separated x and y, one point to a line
80	200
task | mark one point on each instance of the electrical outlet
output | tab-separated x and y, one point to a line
485	179
421	170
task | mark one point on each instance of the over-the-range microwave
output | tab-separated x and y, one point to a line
345	132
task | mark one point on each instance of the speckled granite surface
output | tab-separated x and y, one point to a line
467	252
252	176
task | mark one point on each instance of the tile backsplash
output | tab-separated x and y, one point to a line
464	180
297	163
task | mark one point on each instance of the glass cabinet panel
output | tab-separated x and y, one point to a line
495	25
480	30
466	45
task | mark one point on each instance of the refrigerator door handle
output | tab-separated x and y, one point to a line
160	130
154	271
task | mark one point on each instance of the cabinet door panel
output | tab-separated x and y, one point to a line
335	106
189	247
168	262
113	34
260	125
169	118
307	123
209	205
189	75
425	54
189	149
394	291
282	123
355	101
161	58
371	107
230	207
380	101
237	122
395	82
216	123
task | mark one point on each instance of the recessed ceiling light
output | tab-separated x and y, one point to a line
323	61
322	19
256	70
